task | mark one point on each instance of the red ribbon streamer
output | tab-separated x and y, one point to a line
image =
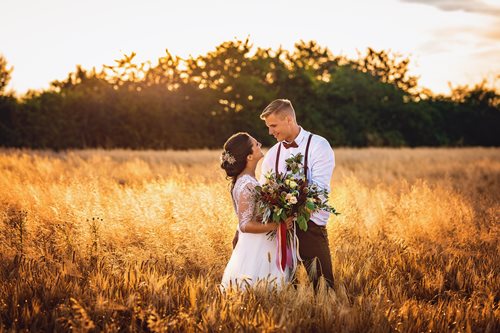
283	245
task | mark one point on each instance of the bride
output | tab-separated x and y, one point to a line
254	256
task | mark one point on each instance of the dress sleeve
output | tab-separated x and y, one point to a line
245	204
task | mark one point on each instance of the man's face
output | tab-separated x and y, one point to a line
279	126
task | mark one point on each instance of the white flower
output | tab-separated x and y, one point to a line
227	157
291	198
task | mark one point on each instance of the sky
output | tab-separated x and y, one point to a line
448	41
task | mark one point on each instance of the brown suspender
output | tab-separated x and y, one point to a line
277	159
307	155
305	160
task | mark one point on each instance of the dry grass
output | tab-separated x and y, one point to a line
137	241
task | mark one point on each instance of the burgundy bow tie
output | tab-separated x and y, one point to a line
292	144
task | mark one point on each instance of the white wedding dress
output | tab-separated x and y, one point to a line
254	258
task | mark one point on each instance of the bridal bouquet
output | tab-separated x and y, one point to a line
290	195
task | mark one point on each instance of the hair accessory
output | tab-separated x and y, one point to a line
227	157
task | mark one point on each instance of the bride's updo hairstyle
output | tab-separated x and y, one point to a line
234	156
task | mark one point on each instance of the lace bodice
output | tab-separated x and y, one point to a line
244	203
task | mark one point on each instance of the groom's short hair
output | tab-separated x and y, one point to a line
280	107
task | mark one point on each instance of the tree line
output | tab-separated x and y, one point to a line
198	102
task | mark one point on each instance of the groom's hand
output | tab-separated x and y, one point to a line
235	239
289	222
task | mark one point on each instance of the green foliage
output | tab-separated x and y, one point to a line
5	74
200	101
302	222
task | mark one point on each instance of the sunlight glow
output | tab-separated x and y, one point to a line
45	41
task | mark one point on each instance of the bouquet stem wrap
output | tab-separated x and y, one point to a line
282	245
287	256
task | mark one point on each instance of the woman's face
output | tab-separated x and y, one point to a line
256	151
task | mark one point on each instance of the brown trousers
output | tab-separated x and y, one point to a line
315	253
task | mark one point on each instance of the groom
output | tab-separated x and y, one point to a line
279	117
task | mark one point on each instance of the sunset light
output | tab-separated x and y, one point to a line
44	40
250	166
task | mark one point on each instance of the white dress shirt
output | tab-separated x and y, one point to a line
321	163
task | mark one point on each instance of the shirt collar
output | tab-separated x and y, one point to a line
300	137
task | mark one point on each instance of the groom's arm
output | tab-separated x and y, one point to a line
322	164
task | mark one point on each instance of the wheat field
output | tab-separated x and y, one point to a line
121	240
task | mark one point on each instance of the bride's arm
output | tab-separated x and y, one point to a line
246	208
257	227
254	227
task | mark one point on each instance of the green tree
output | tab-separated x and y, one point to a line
198	102
388	68
5	74
8	107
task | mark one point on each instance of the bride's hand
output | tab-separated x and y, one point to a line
274	226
